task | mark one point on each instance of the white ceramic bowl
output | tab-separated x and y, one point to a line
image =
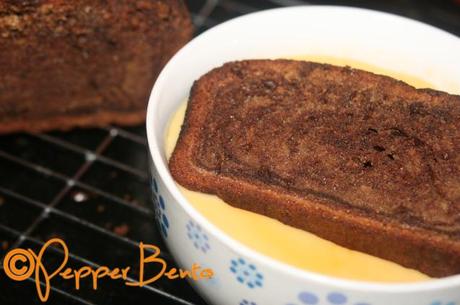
380	39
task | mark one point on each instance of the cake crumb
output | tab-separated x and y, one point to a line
100	208
80	197
121	230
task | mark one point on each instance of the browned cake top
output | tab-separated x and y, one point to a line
84	57
354	138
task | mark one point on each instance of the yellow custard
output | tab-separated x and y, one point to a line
287	244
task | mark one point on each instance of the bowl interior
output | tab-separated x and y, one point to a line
379	39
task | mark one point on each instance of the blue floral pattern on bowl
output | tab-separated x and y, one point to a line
160	210
199	239
246	273
246	302
154	186
333	298
443	303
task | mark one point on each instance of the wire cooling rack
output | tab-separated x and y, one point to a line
90	187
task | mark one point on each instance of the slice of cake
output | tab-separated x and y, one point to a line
84	62
361	159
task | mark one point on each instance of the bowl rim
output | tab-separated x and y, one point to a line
237	246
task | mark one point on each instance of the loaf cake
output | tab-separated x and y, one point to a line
84	62
360	159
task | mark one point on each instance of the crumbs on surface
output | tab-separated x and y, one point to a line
121	230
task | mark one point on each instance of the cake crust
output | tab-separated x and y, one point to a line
360	159
83	63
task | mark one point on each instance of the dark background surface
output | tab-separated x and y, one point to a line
90	187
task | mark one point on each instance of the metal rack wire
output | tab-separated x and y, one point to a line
91	188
